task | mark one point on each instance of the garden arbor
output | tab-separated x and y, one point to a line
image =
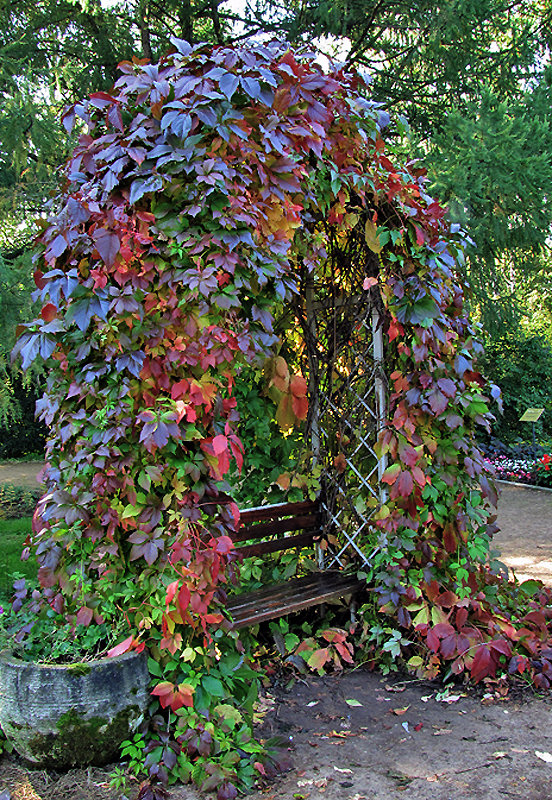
206	192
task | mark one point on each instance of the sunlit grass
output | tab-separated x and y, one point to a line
13	533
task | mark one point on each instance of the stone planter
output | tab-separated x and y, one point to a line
74	714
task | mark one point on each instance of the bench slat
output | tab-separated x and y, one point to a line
274	545
278	510
263	529
277	600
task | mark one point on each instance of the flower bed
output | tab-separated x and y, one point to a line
531	470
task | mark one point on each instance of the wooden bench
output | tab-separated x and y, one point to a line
269	529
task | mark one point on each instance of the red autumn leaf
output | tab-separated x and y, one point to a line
237	451
408	454
461	617
172	589
212	619
300	406
405	484
502	646
174	696
49	312
395	329
220	444
446	599
224	545
448	647
38	276
391	474
433	641
120	648
344	652
419	476
537	617
484	665
184	597
443	629
450	540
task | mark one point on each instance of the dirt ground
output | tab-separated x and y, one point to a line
395	740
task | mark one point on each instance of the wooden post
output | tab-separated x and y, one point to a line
381	400
314	393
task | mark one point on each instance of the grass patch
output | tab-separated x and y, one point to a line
18	501
13	533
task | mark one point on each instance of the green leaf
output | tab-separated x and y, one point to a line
213	686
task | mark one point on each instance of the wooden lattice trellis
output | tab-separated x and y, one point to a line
347	395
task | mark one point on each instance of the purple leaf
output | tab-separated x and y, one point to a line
107	244
228	84
140	186
182	46
252	87
447	386
437	401
58	246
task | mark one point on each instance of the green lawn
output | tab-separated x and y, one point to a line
12	535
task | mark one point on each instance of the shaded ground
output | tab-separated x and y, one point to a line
404	739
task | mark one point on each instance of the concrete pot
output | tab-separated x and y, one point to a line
74	714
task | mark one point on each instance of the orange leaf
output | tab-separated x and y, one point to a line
298	386
300	406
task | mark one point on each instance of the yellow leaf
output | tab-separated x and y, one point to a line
371	235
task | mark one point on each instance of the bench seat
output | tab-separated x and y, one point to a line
264	531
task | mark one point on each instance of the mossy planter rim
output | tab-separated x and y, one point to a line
66	715
7	656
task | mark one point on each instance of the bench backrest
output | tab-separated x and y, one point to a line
267	526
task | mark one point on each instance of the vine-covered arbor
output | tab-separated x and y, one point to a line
204	194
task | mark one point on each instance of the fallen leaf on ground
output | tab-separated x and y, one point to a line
419	726
447	697
405	726
400	687
400	711
441	731
312	703
544	756
500	754
352	702
345	770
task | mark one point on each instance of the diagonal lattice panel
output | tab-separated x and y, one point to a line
344	359
349	413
